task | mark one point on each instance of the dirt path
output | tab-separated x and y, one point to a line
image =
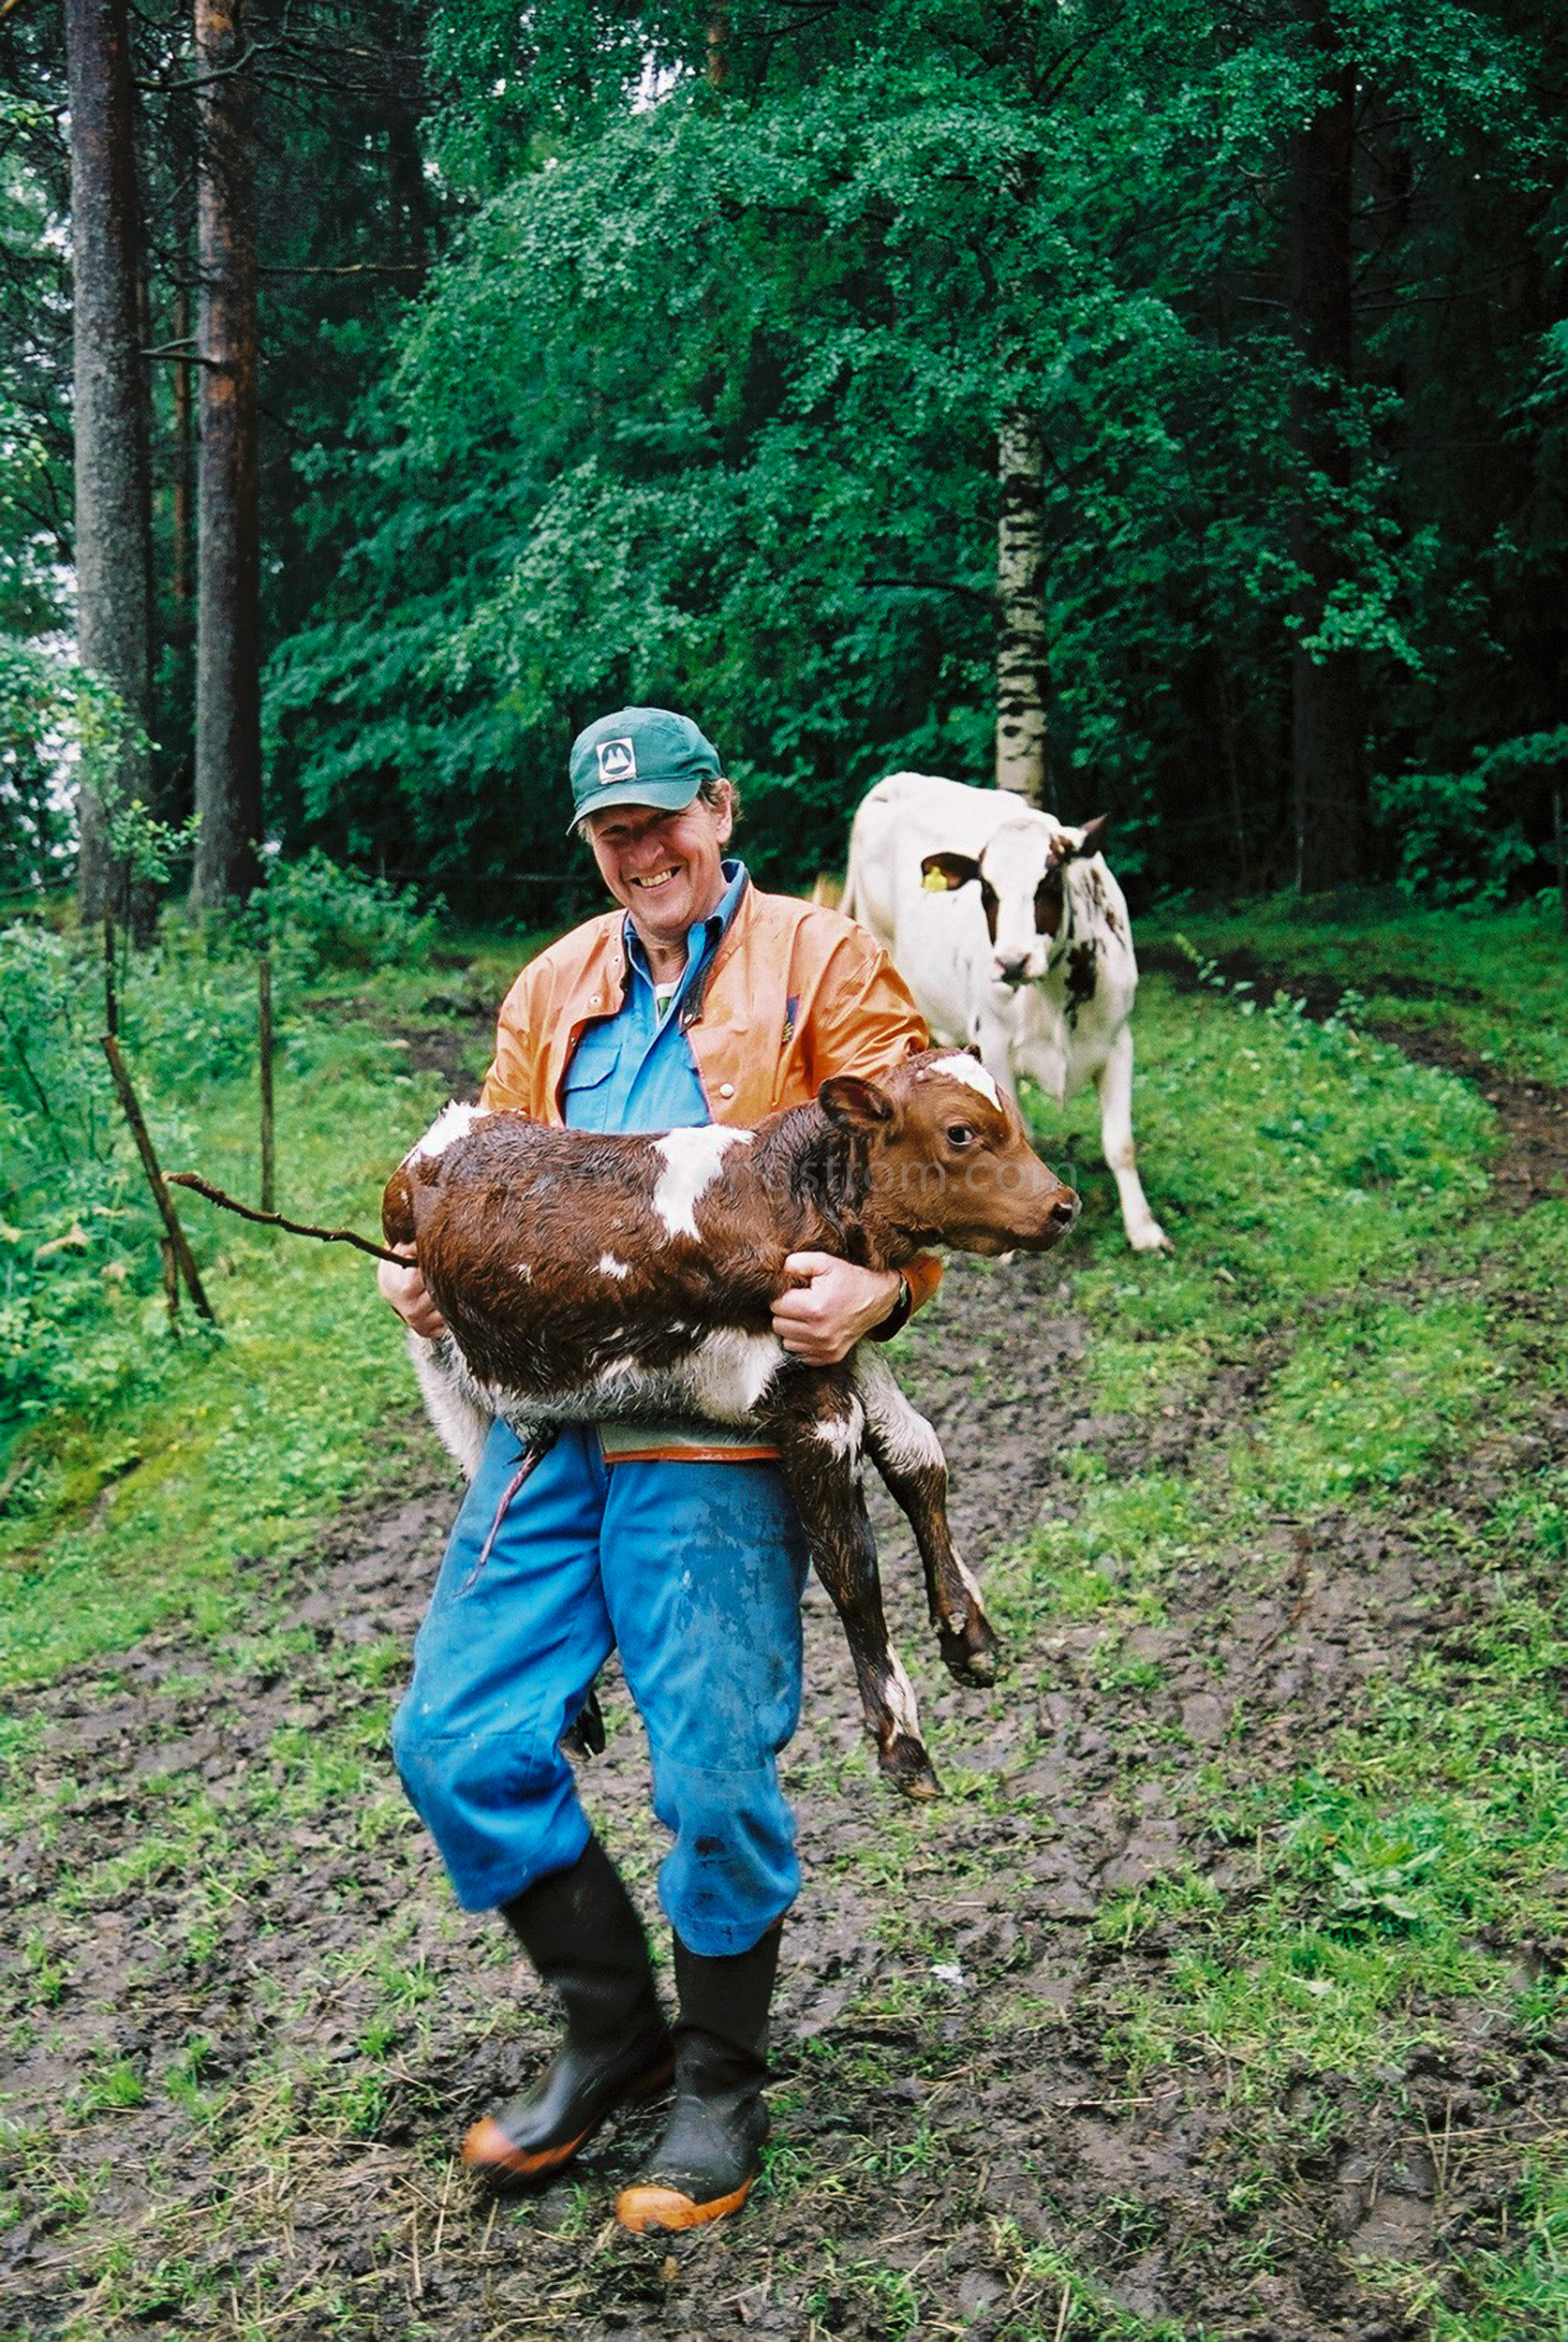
952	2127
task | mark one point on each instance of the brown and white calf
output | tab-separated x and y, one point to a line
1011	933
587	1278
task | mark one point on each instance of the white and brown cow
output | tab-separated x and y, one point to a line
1011	934
585	1277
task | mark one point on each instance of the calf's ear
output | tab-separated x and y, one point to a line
940	874
854	1104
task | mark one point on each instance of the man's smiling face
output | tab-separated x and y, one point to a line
665	868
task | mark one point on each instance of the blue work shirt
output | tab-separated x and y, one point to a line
635	1071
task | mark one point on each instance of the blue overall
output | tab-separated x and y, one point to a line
694	1570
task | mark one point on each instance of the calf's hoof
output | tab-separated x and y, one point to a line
971	1653
906	1764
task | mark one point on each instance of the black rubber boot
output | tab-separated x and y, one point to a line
711	2153
582	1934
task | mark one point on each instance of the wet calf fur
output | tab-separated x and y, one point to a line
588	1278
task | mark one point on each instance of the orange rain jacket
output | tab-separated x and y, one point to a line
793	994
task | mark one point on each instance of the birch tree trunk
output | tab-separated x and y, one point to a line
114	495
227	622
1327	711
1022	677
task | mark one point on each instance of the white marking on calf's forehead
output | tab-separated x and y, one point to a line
967	1069
453	1121
691	1164
607	1266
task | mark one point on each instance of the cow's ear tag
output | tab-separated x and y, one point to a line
945	873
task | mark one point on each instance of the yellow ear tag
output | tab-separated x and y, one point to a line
935	882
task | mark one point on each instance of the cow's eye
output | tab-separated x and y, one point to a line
959	1135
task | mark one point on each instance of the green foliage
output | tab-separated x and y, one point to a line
1454	845
330	918
83	1321
701	405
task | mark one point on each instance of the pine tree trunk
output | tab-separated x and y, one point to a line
180	471
114	497
227	623
1022	677
1327	714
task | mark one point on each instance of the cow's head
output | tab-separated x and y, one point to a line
948	1157
1021	875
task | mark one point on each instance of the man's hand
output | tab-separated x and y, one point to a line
823	1315
405	1289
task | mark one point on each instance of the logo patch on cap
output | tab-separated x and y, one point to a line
617	762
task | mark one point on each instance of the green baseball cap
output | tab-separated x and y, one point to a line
640	756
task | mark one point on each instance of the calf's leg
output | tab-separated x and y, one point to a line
909	1455
819	1439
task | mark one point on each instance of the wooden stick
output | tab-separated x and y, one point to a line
111	1004
1562	856
264	1056
293	1227
170	1278
171	1218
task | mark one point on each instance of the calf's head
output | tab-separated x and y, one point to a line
1022	879
947	1157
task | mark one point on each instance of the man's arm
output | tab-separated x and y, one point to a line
509	1080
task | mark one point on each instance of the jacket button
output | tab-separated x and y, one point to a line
726	1090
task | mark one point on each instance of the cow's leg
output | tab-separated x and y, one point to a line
909	1455
820	1427
1115	1082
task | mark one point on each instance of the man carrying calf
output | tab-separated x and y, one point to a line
698	1001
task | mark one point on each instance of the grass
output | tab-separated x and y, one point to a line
1494	979
242	1446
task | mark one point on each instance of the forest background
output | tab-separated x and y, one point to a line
699	354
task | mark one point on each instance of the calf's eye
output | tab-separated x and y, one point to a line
959	1135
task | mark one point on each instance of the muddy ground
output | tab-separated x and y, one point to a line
951	2130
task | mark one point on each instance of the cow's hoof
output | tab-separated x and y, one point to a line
1151	1240
906	1764
971	1656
